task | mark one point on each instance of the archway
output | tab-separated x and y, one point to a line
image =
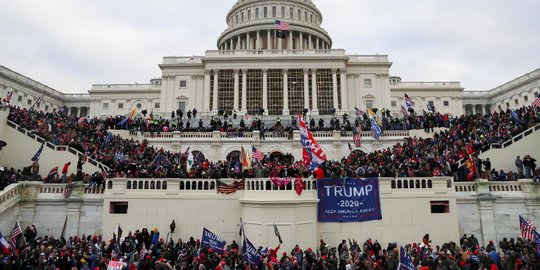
233	156
198	156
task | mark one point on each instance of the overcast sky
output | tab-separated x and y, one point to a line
70	45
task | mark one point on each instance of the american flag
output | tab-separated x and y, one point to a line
39	100
9	96
258	155
359	113
15	233
536	102
527	228
357	136
408	101
104	173
231	188
282	26
54	171
68	189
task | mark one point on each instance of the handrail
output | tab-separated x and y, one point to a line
504	144
56	147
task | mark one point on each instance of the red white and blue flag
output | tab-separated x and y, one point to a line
282	26
527	228
4	245
256	154
312	153
408	101
9	96
15	233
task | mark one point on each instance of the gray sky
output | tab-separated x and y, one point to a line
70	45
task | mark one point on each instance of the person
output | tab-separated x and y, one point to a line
194	112
235	114
487	168
35	169
65	171
519	165
530	165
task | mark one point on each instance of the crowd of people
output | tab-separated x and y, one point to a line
145	250
440	155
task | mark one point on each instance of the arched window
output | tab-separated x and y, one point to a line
257	13
164	185
233	156
188	185
206	185
305	16
242	16
134	186
291	13
274	12
236	19
200	186
158	185
249	14
198	156
311	17
128	185
212	185
182	186
298	14
265	12
152	185
282	12
141	184
146	185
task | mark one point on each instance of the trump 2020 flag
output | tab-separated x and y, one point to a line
250	252
405	262
38	153
213	241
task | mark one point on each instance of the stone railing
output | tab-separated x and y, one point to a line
267	135
483	186
54	147
122	185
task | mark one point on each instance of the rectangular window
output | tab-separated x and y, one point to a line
431	103
394	103
446	103
118	207
369	104
157	105
516	101
439	207
29	102
19	99
120	105
105	105
507	105
46	107
367	83
183	84
526	98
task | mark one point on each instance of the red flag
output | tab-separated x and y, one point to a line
299	185
472	169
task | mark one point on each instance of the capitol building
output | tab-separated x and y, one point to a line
258	67
274	59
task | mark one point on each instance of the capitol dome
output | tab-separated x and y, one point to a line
252	26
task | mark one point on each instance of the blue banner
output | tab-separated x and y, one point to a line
250	253
211	240
349	200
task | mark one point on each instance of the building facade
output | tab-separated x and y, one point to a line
258	69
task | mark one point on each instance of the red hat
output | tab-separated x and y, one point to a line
284	253
309	250
210	250
148	257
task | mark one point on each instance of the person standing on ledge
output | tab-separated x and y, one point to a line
65	171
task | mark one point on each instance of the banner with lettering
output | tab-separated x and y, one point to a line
114	265
349	200
213	241
250	252
280	181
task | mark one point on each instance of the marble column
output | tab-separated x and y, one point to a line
265	91
286	92
244	91
206	92
236	89
334	89
268	40
315	109
344	91
306	88
216	92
